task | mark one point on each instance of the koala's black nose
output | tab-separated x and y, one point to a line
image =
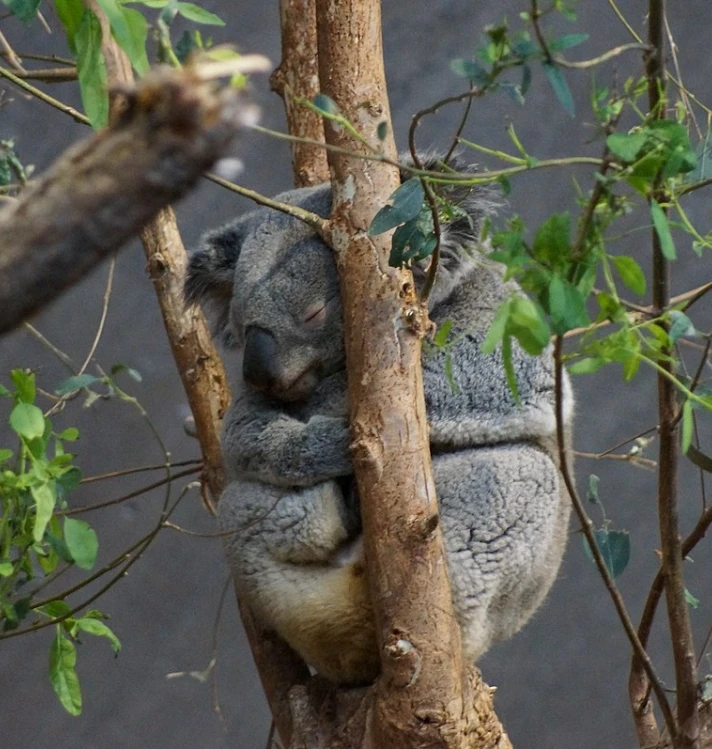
260	366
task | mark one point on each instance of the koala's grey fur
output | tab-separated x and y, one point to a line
270	286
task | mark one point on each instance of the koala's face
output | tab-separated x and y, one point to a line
270	287
289	320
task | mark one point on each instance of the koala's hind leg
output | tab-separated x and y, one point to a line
287	557
298	526
505	524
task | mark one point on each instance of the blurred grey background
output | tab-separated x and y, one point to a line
562	681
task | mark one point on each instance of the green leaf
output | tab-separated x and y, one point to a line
680	326
81	541
132	373
471	70
551	242
91	70
326	104
631	273
25	10
138	28
626	145
407	202
509	372
73	384
129	34
6	569
587	365
441	336
687	426
5	455
62	675
24	383
662	227
497	329
45	496
567	306
614	547
70	14
27	420
567	41
195	13
557	81
67	482
692	601
97	628
55	609
71	434
527	324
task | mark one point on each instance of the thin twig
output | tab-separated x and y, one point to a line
131	495
127	471
605	57
586	527
102	319
625	458
10	54
49	75
319	224
42	96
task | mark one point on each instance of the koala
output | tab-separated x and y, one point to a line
270	287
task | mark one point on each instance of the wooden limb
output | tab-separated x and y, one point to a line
297	77
206	386
100	192
425	696
670	538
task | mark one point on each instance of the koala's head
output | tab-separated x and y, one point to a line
270	288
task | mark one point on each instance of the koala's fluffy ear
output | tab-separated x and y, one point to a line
210	277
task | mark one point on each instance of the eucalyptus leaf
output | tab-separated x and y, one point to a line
626	145
27	420
407	202
95	627
199	15
557	81
91	70
662	227
81	541
45	496
62	674
25	10
631	273
614	547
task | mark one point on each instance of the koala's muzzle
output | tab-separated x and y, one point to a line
263	369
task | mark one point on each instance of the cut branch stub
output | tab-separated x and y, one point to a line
102	191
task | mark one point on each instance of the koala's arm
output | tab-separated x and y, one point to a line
262	443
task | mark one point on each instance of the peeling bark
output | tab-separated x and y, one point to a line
298	77
425	696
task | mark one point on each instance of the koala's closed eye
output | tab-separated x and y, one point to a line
315	314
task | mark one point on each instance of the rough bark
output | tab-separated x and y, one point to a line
298	77
425	694
204	380
670	537
100	192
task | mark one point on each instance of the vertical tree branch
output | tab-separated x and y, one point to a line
424	696
670	539
205	383
297	77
